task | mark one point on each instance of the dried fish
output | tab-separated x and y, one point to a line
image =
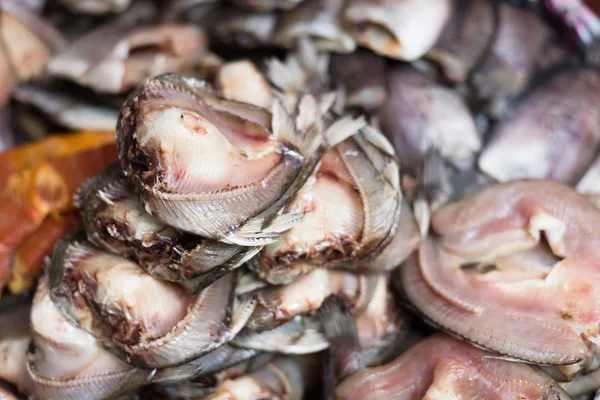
472	279
28	197
318	20
419	114
508	67
283	378
29	155
65	362
362	75
217	168
280	304
121	54
67	110
115	220
362	175
26	43
241	28
146	322
552	133
401	29
15	336
466	39
440	366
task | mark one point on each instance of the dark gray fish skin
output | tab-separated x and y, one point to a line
553	132
339	328
518	43
235	27
583	385
7	131
187	10
419	114
115	220
15	336
268	5
466	39
362	74
96	7
65	109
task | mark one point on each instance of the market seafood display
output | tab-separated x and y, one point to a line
293	199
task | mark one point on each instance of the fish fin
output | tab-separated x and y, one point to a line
282	123
391	172
302	129
299	68
293	337
422	214
243	307
342	129
283	222
377	139
308	113
251	239
435	179
112	173
257	232
328	101
287	75
200	282
339	327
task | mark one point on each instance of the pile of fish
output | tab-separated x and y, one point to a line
291	199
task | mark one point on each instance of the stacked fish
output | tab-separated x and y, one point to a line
299	226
